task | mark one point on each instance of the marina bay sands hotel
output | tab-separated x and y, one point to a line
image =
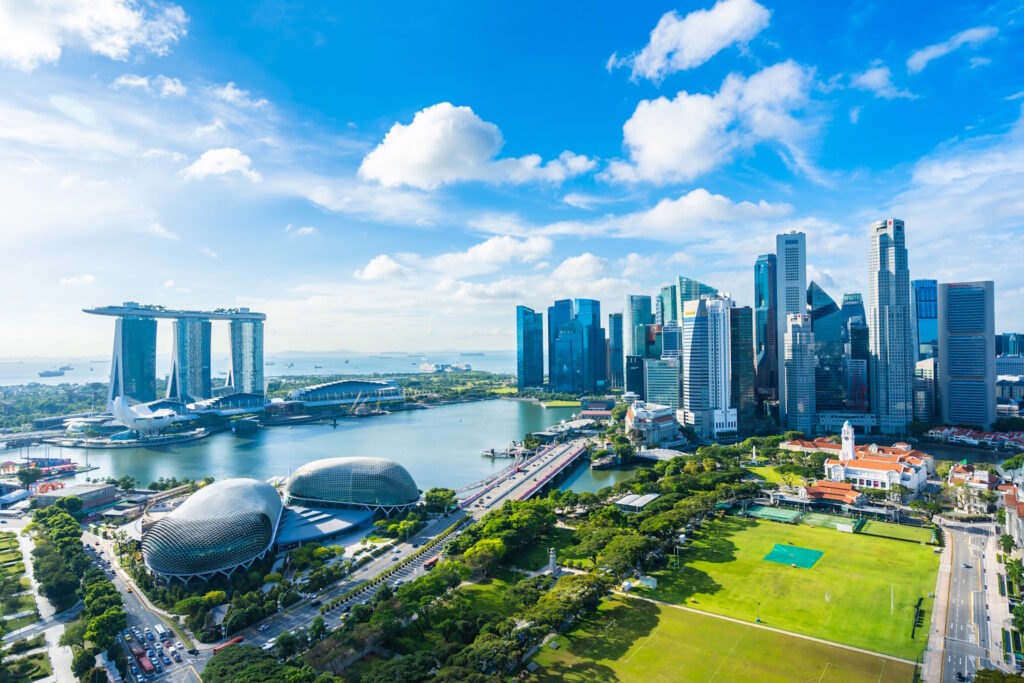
133	367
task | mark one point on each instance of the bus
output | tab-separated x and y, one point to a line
160	631
431	563
227	643
147	666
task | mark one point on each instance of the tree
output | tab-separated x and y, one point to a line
102	630
485	554
1018	617
29	475
439	499
1007	544
1015	570
287	644
995	676
69	504
82	662
623	553
95	675
318	629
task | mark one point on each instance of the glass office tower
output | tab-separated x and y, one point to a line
669	305
588	313
189	379
615	358
558	314
529	348
766	350
246	374
133	366
829	373
637	311
925	312
569	358
893	356
741	341
967	364
791	296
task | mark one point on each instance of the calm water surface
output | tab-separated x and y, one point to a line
439	446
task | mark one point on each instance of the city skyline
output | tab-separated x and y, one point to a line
187	158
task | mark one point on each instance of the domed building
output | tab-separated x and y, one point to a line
365	483
219	528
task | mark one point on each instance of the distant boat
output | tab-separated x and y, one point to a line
346	360
269	362
67	367
290	365
52	373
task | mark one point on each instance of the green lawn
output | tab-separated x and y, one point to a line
844	598
20	604
29	668
633	640
900	531
770	473
561	404
535	556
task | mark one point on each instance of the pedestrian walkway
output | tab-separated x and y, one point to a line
998	605
931	669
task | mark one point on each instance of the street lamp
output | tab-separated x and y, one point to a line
758	612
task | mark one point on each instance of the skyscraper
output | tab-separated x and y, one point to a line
741	329
707	354
967	370
637	311
924	391
669	305
529	348
801	412
688	289
830	370
925	318
246	375
857	359
189	379
133	366
588	313
766	349
634	376
616	362
661	382
559	314
671	340
569	358
891	367
853	307
791	293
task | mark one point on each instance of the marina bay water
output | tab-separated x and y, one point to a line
439	446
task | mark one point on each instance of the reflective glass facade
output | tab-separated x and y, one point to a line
742	364
190	364
925	309
766	351
247	356
829	373
559	314
133	368
569	358
967	364
588	313
616	361
529	348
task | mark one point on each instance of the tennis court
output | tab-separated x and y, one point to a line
830	521
794	555
773	514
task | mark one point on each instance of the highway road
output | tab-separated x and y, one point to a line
966	646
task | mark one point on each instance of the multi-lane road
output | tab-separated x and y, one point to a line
967	642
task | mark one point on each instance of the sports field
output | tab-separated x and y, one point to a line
829	521
900	531
844	597
633	640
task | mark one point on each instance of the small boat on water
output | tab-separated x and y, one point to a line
51	373
67	367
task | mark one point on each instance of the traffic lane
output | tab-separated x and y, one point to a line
966	641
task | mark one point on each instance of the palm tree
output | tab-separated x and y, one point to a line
1015	570
1006	543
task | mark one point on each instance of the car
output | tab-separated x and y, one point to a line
177	657
315	603
415	545
166	660
3	521
193	651
150	654
150	636
179	645
127	636
395	558
135	670
167	644
966	566
159	669
959	676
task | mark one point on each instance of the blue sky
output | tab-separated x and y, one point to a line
400	177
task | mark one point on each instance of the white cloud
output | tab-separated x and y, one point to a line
679	139
878	79
300	231
170	87
581	200
169	283
160	231
855	114
76	280
207	252
131	81
679	44
231	94
213	127
447	144
381	267
490	255
221	161
972	37
33	33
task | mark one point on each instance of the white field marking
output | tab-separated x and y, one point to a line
643	644
822	676
728	654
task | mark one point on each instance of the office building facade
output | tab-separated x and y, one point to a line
133	366
189	379
568	358
924	391
669	304
559	314
671	340
925	321
967	369
766	346
688	289
661	382
529	348
791	294
637	311
634	376
741	340
801	411
707	356
830	371
588	313
616	360
891	367
246	374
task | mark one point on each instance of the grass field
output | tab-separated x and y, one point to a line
900	531
560	404
828	521
633	640
535	555
771	474
844	598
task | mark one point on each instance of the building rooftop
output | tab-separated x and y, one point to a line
132	309
635	500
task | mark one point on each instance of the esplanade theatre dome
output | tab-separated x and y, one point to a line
219	528
367	483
